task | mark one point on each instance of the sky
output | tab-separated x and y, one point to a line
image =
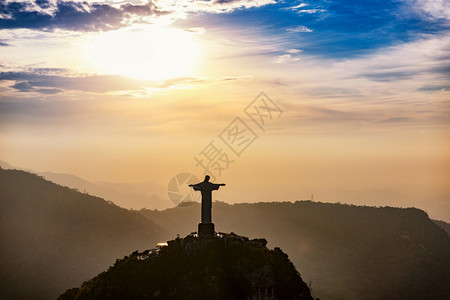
345	100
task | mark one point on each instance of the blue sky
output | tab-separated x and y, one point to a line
335	29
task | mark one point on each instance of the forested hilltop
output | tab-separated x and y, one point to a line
222	267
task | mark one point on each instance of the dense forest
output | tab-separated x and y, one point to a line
225	267
443	225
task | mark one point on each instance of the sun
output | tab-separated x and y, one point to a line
149	55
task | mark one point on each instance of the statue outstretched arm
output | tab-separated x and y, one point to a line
197	187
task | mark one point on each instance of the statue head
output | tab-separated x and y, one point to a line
207	178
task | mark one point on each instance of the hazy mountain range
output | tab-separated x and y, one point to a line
54	238
153	195
128	195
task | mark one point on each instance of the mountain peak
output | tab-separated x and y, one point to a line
226	266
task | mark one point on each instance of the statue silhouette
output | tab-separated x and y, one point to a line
206	188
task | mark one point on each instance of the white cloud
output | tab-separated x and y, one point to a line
299	9
181	7
310	11
285	58
196	30
432	8
297	6
300	28
294	51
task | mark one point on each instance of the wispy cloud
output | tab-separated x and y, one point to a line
285	58
389	76
197	30
431	8
216	6
293	51
54	80
298	6
310	11
299	28
46	83
301	10
106	15
72	15
433	88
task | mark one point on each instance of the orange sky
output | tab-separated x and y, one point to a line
138	102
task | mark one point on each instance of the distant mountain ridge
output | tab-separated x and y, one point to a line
131	196
128	195
54	237
150	195
345	251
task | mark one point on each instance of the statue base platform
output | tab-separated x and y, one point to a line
206	229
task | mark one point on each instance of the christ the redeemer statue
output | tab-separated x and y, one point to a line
206	227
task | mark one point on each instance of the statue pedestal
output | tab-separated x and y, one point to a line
206	229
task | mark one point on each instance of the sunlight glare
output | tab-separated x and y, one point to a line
157	55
